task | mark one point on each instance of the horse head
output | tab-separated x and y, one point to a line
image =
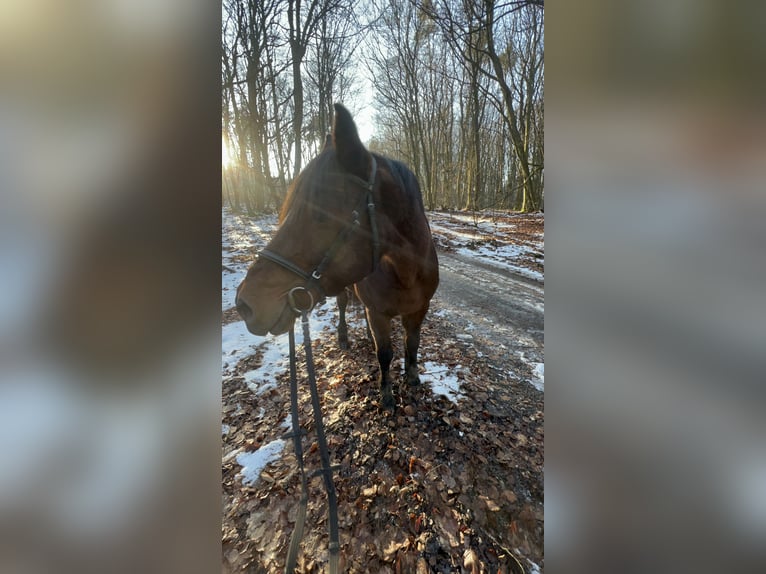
324	240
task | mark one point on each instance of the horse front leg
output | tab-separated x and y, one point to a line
342	300
381	334
412	324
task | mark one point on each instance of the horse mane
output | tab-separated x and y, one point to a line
304	189
304	192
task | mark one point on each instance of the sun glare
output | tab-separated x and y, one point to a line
227	155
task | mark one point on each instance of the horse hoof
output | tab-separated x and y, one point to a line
343	344
413	381
388	402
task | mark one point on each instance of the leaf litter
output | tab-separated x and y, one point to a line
445	483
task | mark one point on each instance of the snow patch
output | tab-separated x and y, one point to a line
242	238
253	463
274	360
483	238
443	381
539	371
502	256
236	344
230	280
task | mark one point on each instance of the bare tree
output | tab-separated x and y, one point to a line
330	65
458	93
247	76
473	28
304	20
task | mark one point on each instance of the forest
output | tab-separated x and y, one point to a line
454	88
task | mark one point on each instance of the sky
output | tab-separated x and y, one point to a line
365	123
364	111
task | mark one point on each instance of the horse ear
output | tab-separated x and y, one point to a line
327	142
352	154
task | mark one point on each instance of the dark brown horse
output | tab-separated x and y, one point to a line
350	218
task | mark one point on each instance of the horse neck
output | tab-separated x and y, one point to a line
402	222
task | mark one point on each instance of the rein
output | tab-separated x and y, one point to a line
326	470
312	281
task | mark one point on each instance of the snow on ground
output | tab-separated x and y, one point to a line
490	240
238	343
539	372
253	463
261	379
242	238
443	380
537	380
503	256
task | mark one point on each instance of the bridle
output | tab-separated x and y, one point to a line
312	279
312	282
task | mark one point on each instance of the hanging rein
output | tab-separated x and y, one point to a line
312	282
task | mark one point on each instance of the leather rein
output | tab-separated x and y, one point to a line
312	282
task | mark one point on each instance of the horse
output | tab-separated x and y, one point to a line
351	217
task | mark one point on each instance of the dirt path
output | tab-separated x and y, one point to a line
496	307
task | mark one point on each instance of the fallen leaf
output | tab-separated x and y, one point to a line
471	561
370	491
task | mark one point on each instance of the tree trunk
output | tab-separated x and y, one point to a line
477	179
297	54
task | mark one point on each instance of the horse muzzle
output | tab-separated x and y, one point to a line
275	323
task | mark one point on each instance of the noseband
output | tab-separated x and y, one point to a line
312	279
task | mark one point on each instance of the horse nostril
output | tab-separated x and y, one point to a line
243	309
